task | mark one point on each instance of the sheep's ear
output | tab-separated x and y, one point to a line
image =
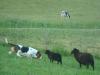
46	49
74	48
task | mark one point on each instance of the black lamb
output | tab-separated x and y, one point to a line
54	56
83	58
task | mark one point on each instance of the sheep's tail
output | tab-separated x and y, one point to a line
6	40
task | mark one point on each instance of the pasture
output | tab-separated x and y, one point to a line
37	13
12	65
59	40
38	24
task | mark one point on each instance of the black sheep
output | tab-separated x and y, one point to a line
83	58
54	56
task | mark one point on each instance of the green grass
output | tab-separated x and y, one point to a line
36	13
38	24
54	23
13	65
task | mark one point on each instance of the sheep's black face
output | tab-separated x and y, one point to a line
47	52
75	51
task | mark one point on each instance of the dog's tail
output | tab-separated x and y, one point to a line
6	40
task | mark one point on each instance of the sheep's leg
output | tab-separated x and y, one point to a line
92	66
87	66
57	62
60	62
52	61
80	65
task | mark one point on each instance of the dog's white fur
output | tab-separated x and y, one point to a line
30	53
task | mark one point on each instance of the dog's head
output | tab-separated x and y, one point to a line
39	56
14	49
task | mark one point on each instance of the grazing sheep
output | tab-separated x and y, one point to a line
83	58
54	56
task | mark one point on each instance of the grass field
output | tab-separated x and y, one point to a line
38	24
12	65
37	13
59	40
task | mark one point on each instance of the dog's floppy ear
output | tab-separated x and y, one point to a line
38	55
